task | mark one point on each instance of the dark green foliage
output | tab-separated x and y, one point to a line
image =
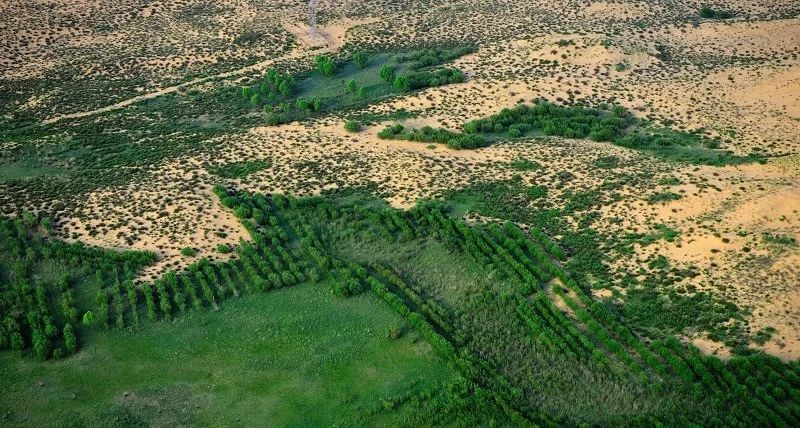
433	56
663	197
428	79
285	98
427	134
274	88
607	162
484	297
360	59
709	13
352	126
387	73
188	251
39	307
522	164
615	125
786	240
325	65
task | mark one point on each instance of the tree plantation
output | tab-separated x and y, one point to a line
356	247
410	213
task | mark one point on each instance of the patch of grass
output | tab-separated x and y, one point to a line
304	358
663	197
778	239
522	164
607	162
239	169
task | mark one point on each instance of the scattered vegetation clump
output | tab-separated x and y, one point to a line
427	79
188	251
663	197
239	169
427	134
352	126
433	56
360	59
522	164
607	124
772	238
709	13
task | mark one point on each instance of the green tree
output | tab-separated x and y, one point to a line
360	59
402	84
387	73
70	342
88	318
325	65
352	87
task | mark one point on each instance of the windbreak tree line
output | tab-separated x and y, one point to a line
43	313
494	332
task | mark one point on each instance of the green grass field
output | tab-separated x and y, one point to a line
293	357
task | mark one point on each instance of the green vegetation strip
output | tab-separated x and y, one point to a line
483	296
607	124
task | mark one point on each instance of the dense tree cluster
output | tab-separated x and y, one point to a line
427	79
427	134
608	124
273	89
433	56
551	119
325	65
709	13
360	59
41	313
506	335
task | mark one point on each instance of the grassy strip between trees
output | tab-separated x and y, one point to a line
517	355
356	82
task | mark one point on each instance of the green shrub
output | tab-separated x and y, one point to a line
352	126
325	65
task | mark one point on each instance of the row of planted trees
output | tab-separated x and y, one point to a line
590	331
39	281
294	240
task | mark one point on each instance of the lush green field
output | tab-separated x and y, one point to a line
292	357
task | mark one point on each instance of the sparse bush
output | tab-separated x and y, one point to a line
188	251
352	126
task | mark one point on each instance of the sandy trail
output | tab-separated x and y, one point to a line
329	38
171	89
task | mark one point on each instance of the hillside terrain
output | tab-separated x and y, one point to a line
400	213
